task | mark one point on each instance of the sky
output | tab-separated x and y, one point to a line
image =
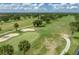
39	7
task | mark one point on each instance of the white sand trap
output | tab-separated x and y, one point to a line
8	36
28	29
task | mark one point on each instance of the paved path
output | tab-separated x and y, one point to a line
65	36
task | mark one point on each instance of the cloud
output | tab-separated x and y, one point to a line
63	3
37	6
72	7
40	4
72	3
50	4
28	4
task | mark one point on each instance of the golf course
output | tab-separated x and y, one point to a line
46	34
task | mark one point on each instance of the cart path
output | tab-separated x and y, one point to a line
66	37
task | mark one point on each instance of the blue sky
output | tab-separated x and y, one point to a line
39	7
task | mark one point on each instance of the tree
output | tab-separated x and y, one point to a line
46	19
1	51
16	25
73	26
7	49
67	53
0	28
5	19
37	23
16	17
24	46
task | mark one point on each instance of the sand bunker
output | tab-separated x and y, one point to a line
28	29
8	36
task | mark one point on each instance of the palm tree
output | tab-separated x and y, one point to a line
24	46
7	49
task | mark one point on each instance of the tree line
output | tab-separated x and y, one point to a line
47	18
7	17
75	25
41	18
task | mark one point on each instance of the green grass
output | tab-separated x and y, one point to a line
8	26
74	43
29	36
52	30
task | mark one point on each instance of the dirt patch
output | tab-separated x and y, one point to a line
50	46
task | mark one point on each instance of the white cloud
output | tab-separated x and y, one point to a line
36	7
63	3
72	3
72	7
40	4
50	4
29	4
35	4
